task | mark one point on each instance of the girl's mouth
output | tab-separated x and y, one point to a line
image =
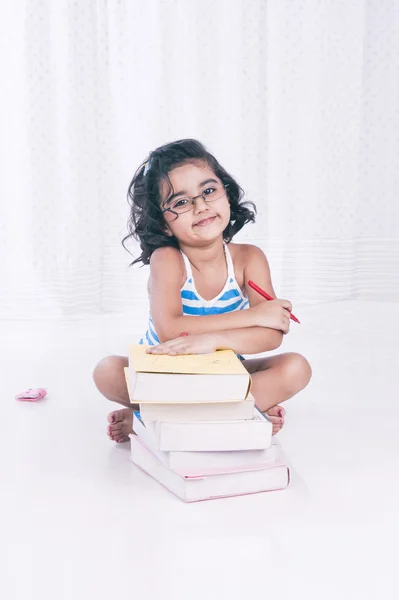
205	222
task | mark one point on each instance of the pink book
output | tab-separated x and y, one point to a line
206	487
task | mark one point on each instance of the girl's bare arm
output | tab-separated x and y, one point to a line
253	340
249	340
238	330
166	308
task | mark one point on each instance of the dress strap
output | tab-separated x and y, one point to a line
187	265
229	260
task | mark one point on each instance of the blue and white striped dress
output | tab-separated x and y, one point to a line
230	299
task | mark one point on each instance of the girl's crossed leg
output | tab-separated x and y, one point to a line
274	379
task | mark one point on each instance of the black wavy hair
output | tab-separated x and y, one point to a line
146	222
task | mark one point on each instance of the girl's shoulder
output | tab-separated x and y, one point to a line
241	256
242	253
165	253
250	262
167	260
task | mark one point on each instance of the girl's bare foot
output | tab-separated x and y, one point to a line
120	423
276	416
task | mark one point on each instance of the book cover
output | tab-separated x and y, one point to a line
196	378
221	362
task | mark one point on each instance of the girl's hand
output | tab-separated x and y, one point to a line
203	343
274	314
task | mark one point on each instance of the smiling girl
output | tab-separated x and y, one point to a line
185	211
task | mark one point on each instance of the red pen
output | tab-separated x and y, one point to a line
268	297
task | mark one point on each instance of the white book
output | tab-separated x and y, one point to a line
205	463
192	489
190	378
254	434
215	411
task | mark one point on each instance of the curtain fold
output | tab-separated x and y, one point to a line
298	100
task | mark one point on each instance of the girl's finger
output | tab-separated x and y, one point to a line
169	343
155	349
176	346
163	346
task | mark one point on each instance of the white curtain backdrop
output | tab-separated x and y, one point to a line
298	99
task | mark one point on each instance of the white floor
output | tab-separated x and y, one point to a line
79	520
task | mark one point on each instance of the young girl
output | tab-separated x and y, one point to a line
185	210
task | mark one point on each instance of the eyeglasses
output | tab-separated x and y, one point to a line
179	206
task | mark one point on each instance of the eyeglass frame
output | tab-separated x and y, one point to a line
225	186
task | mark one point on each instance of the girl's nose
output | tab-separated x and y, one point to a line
200	205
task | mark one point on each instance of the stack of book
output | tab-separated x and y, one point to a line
198	432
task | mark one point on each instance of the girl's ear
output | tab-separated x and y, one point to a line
168	231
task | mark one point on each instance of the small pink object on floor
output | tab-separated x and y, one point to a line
32	394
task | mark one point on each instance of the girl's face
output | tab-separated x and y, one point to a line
205	221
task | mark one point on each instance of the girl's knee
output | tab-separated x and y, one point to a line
298	371
108	368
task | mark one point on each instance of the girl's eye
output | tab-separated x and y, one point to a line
180	202
209	191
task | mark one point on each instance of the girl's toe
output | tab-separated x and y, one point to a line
277	421
276	411
121	437
112	417
116	427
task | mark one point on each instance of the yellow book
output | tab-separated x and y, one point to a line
190	378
